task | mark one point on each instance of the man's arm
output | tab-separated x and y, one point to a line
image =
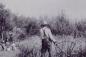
51	36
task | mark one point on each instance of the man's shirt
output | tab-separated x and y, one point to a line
46	33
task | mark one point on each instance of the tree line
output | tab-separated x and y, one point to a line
59	25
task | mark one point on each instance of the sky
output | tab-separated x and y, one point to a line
74	9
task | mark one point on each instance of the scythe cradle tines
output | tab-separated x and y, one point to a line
71	46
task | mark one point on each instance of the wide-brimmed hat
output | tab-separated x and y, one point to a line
44	23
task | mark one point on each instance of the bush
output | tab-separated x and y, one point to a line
30	50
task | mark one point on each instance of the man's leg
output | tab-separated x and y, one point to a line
43	52
49	51
44	48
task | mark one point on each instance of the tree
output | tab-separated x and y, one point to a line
4	15
60	25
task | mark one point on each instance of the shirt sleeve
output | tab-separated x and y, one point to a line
51	36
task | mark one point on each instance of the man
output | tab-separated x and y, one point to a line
47	39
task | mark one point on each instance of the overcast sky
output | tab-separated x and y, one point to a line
72	8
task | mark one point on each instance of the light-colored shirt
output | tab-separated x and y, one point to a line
46	33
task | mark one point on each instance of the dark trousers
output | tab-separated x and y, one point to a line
46	47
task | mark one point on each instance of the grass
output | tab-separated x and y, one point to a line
67	47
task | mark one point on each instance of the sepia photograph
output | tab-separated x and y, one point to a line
42	28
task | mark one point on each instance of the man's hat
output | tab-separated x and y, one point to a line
45	22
